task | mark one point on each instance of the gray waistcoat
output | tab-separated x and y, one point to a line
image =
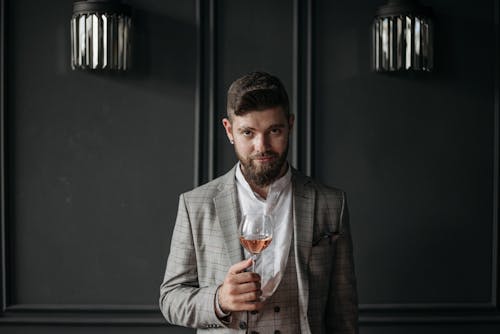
281	314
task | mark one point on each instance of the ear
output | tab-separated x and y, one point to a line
229	129
291	121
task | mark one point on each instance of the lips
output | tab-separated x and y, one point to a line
265	158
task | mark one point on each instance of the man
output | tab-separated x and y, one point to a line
308	282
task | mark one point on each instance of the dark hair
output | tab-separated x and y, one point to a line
256	91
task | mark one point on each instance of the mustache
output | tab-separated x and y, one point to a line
267	154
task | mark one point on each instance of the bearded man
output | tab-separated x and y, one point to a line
307	282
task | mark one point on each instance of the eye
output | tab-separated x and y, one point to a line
246	133
276	131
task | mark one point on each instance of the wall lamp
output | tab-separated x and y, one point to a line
100	35
403	37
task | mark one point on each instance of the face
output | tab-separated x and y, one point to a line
261	143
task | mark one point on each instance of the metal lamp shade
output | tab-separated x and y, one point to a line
100	36
403	38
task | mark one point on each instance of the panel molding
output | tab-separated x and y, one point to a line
495	264
205	104
467	312
428	318
26	308
84	314
3	239
85	320
90	314
404	313
302	101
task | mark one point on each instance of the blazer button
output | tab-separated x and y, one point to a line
254	332
254	312
277	332
243	325
276	309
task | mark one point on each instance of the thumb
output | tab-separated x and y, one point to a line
240	266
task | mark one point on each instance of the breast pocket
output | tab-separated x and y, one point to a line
320	269
322	254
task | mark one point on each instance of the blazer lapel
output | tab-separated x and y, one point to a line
228	214
303	220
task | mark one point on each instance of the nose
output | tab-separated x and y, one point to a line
261	143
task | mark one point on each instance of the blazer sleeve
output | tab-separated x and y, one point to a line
343	299
182	301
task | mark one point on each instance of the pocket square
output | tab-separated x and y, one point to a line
331	236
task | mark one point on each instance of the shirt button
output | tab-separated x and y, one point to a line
276	309
243	325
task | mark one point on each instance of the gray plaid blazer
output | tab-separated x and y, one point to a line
205	244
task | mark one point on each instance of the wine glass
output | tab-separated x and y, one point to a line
256	233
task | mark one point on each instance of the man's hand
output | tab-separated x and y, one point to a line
240	290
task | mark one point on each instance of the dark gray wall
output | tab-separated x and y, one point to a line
93	163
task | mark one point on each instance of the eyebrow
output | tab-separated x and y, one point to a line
273	126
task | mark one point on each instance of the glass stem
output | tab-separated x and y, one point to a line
254	259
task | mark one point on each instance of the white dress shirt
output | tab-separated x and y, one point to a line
272	261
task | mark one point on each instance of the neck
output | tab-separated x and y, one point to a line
261	190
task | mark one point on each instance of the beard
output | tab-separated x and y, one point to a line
262	174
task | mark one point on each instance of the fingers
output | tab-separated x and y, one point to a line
240	266
247	297
242	302
241	289
242	278
248	287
